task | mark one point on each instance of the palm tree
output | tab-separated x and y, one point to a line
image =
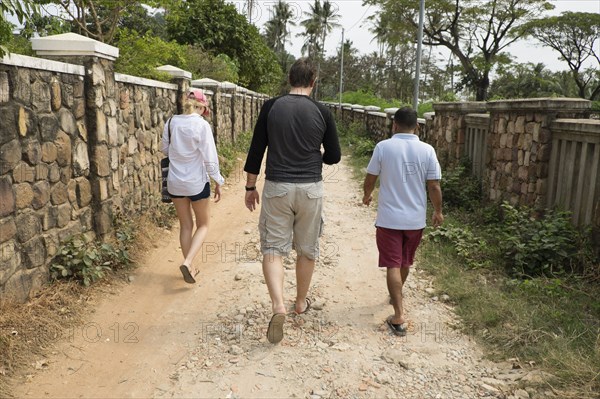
381	33
313	29
321	20
277	31
328	21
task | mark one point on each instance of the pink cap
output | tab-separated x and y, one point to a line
199	96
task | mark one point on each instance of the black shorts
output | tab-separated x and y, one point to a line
202	195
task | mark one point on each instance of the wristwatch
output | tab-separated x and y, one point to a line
251	188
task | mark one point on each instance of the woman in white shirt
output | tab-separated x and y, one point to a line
188	142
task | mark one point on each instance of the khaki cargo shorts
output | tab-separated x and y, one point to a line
291	217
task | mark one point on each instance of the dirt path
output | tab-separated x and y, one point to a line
159	337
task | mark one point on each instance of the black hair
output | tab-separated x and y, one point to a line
406	117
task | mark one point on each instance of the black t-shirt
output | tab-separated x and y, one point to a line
293	127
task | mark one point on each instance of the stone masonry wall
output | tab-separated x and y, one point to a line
519	147
224	118
449	129
45	191
238	114
141	116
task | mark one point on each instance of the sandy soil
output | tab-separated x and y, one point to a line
160	337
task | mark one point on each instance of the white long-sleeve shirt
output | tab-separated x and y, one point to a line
192	154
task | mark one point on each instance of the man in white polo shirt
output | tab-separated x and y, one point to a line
408	169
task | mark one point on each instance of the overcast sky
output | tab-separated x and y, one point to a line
354	19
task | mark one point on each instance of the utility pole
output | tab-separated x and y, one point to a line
341	67
419	50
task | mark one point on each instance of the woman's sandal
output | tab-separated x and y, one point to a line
188	277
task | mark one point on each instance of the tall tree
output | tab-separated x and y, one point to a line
321	21
380	30
475	31
312	30
576	37
327	21
96	19
217	27
277	31
524	81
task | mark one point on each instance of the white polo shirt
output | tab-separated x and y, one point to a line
192	154
403	164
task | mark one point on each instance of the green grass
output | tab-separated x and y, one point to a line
553	321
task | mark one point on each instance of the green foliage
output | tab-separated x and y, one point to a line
204	65
469	246
139	19
88	261
574	36
22	10
81	260
535	246
140	55
422	108
217	27
455	24
354	138
368	98
531	80
460	188
5	35
551	321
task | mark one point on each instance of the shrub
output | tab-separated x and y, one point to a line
367	98
88	261
472	248
81	260
459	188
354	137
534	246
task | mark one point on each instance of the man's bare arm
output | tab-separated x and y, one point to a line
435	195
368	188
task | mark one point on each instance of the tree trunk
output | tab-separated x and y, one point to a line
481	87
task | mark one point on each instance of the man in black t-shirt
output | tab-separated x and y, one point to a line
293	127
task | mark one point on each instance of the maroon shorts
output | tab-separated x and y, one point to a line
397	247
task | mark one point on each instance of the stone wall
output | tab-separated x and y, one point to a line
134	150
45	190
79	143
449	128
519	146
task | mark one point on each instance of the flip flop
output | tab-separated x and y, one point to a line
308	302
187	275
275	330
398	329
